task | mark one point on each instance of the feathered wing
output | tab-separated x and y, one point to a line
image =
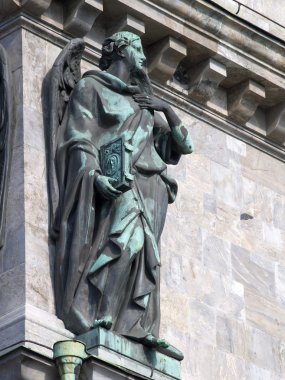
5	137
58	87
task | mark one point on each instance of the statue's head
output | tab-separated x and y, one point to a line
122	45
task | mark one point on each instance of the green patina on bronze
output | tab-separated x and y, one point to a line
181	136
107	255
69	356
120	348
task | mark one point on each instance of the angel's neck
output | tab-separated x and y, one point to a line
120	70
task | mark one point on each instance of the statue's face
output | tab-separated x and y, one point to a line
134	55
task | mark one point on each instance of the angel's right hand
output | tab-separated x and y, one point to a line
103	185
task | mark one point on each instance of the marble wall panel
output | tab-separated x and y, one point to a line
235	284
264	170
267	314
34	69
280	282
231	336
254	272
202	322
216	253
11	335
39	269
227	184
254	372
12	289
199	354
12	42
263	350
13	252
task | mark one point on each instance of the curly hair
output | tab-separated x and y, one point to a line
112	45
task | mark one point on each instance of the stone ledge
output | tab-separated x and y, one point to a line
24	364
130	356
33	328
258	18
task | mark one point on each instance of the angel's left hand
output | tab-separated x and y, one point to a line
150	102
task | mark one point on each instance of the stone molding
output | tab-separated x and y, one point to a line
180	37
244	99
129	24
164	57
248	136
250	15
225	28
35	7
30	326
80	16
25	364
173	92
276	123
205	79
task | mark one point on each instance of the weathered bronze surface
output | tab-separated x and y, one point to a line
106	234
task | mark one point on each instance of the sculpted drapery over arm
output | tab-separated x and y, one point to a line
107	255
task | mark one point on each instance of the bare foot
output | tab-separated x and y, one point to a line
154	342
104	322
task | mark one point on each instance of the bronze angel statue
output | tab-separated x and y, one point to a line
5	138
108	153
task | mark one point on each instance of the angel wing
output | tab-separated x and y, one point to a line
5	138
58	87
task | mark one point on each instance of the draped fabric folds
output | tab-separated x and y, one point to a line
107	252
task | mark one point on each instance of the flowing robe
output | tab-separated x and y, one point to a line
107	252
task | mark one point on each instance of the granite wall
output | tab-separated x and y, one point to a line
223	270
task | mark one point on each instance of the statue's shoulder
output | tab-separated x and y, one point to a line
93	78
89	82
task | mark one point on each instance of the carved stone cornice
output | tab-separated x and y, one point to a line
210	52
129	24
164	57
243	100
80	15
205	79
225	28
35	7
276	123
260	142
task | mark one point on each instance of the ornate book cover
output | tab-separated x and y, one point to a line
115	161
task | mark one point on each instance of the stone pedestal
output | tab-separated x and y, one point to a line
131	357
105	361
